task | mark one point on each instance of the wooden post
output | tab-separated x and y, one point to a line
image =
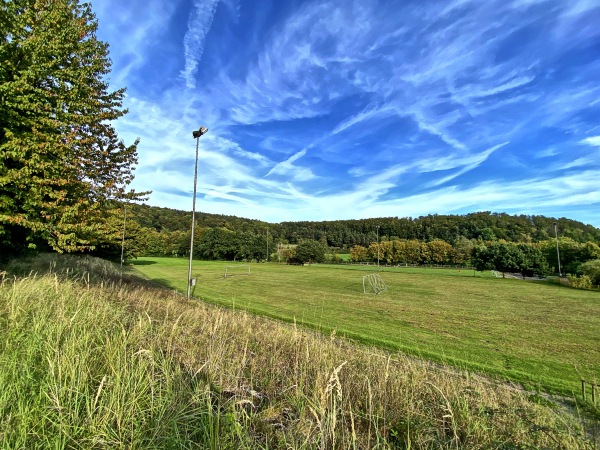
583	389
594	394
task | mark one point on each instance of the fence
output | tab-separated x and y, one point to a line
400	265
592	386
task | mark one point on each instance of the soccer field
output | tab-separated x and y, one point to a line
537	333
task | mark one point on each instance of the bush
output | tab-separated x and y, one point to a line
592	270
582	282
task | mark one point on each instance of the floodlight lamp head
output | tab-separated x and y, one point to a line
200	132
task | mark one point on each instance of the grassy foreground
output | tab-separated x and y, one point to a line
542	335
98	364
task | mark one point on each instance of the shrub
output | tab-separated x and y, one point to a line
582	282
592	270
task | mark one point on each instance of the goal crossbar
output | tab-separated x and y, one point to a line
242	269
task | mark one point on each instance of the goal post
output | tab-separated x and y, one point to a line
239	269
373	284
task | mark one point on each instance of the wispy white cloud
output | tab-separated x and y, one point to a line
199	23
288	169
388	111
547	194
592	140
468	163
367	114
132	33
516	82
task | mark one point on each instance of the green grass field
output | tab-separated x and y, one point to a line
537	333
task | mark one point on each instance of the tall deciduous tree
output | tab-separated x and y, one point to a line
62	167
310	251
358	253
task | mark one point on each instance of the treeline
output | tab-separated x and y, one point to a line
528	259
484	226
484	240
168	220
344	234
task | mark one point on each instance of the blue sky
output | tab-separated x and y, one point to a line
347	109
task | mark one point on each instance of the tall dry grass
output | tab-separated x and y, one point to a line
135	367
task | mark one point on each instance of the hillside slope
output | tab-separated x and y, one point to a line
94	363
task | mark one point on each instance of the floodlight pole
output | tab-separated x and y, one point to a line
267	244
377	245
557	251
196	134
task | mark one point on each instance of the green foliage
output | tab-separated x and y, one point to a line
463	250
310	251
358	253
167	220
333	257
233	238
572	253
436	252
526	259
480	226
482	258
224	244
582	282
175	243
592	270
62	165
459	231
532	260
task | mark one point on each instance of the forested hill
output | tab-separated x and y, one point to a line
168	220
486	226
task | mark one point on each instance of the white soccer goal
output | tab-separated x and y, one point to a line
373	284
240	269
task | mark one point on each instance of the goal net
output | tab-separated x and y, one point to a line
373	284
232	271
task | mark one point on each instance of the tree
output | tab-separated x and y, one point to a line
286	252
135	243
375	252
463	249
216	243
438	251
526	259
63	169
482	258
487	234
533	261
358	253
310	251
572	254
386	249
412	251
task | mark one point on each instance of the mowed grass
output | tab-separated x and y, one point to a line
536	333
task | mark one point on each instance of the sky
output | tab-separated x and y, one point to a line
350	109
